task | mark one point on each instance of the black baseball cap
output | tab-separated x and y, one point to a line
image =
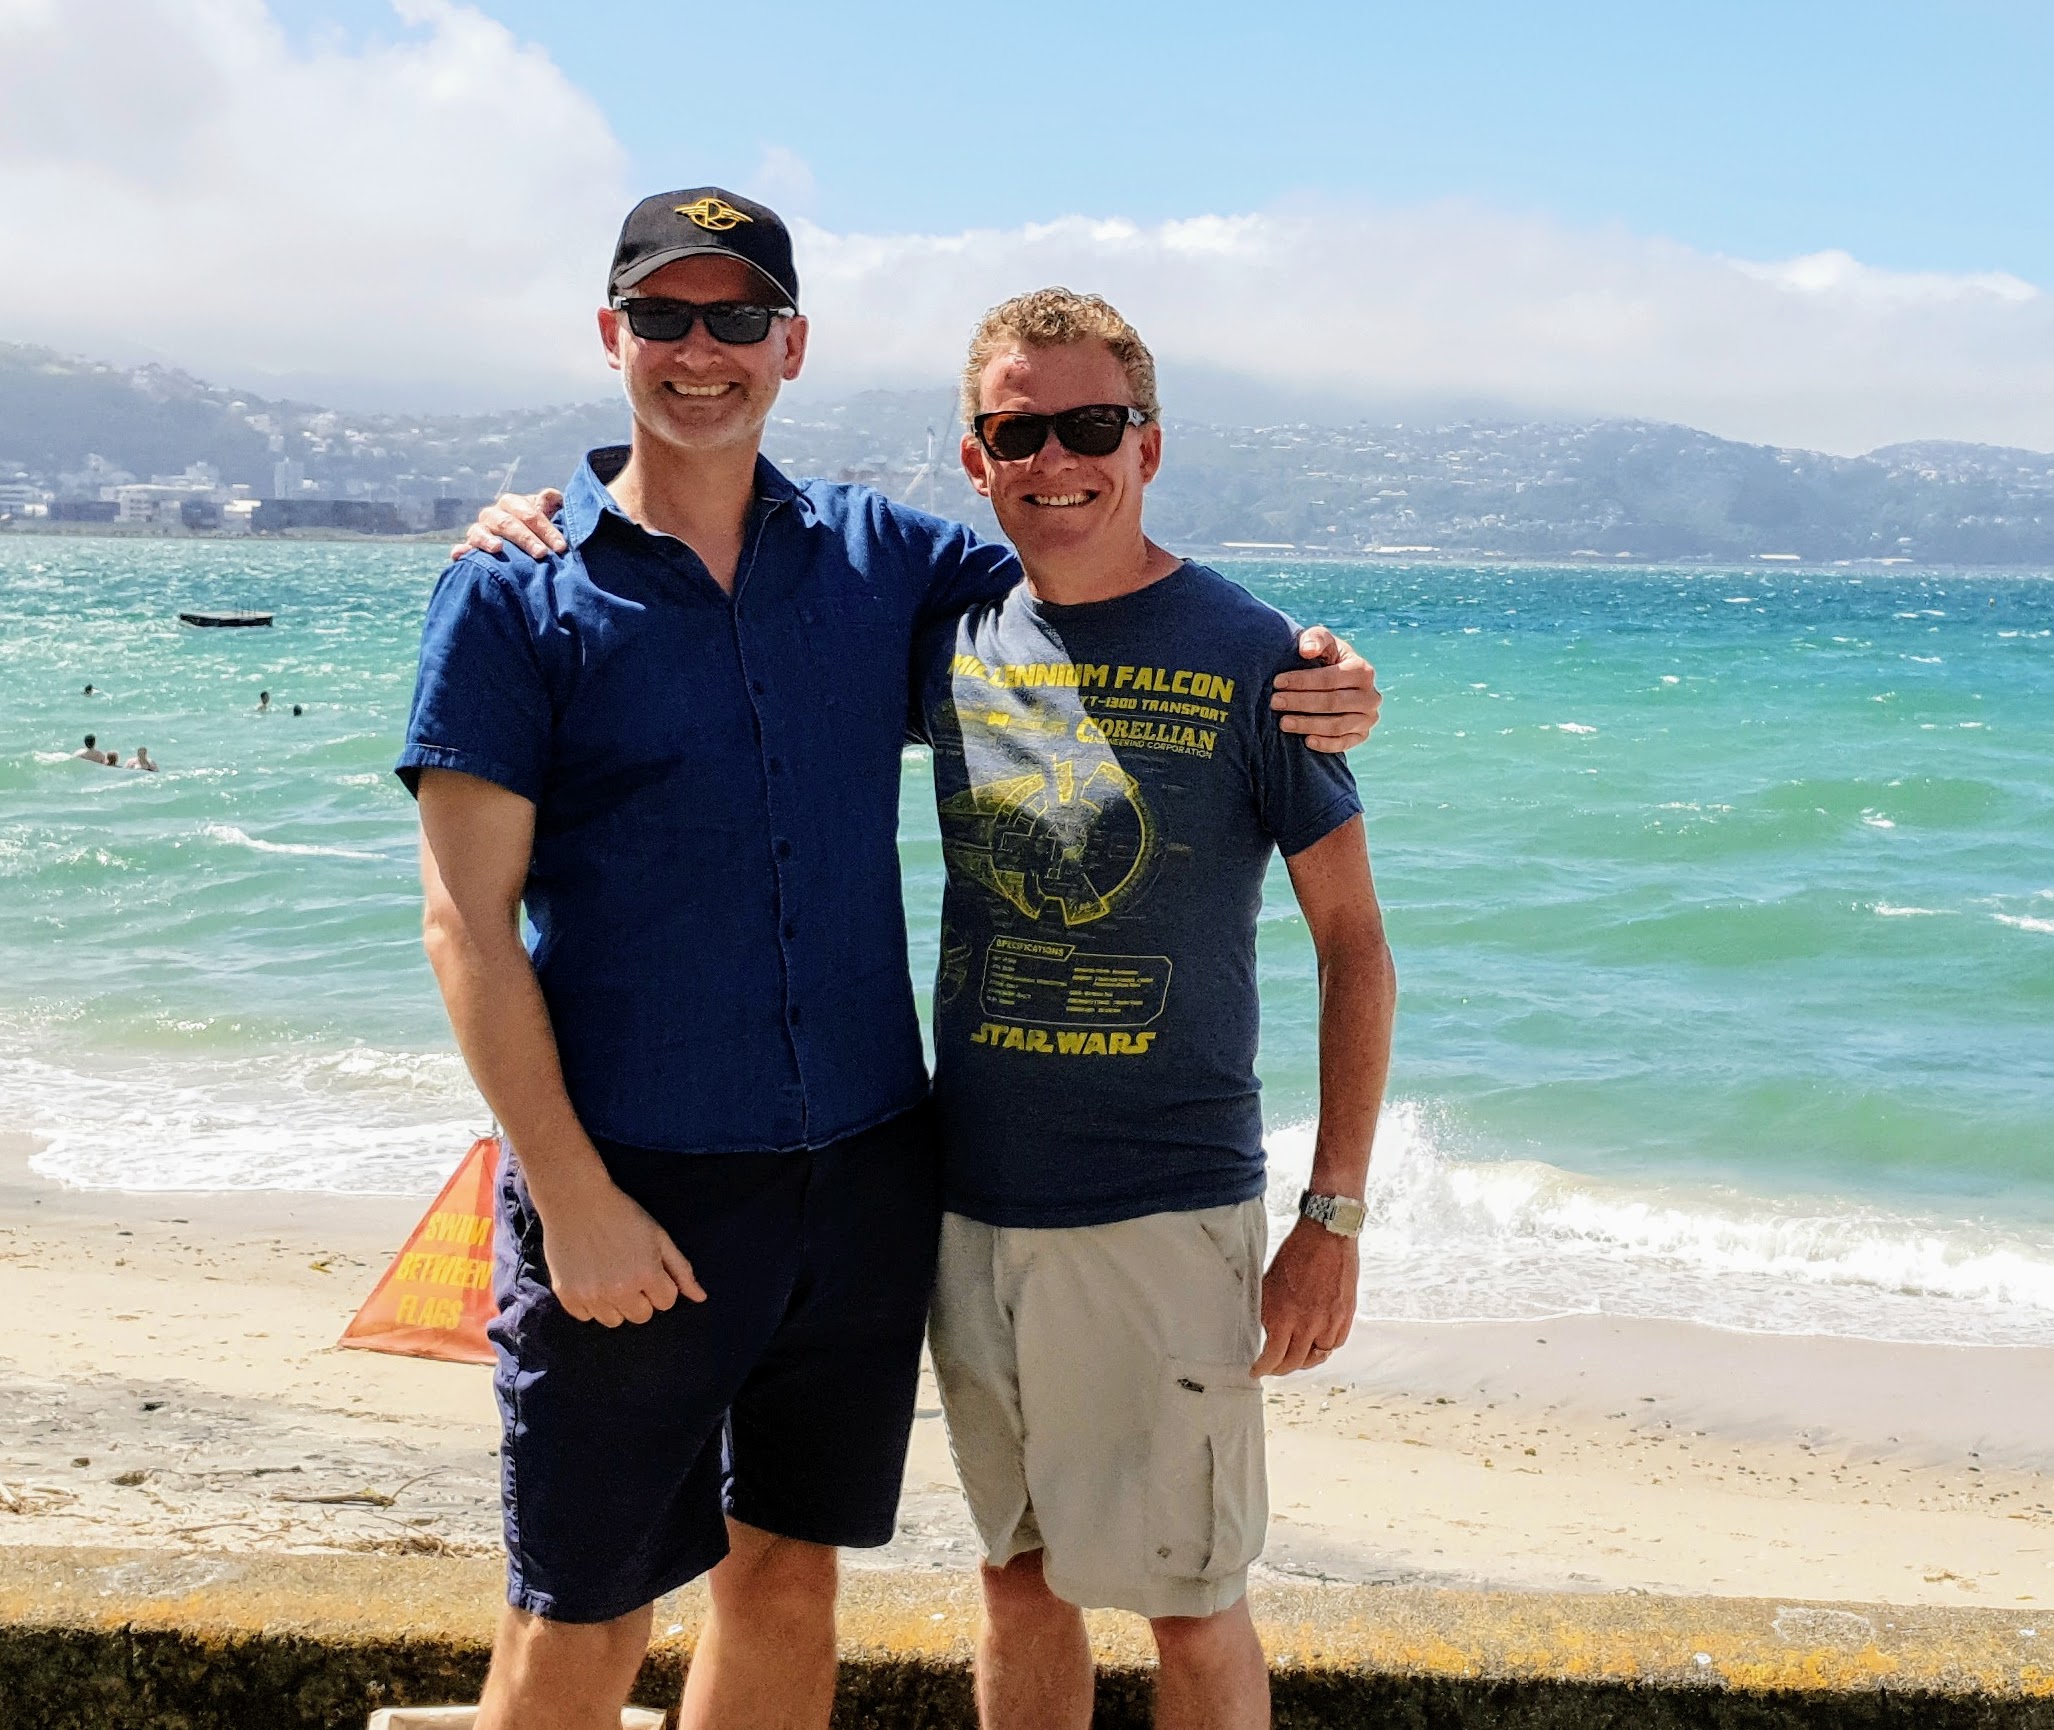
701	219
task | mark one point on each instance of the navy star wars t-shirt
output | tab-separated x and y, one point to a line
1111	782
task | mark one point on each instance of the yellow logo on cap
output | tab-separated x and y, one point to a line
714	213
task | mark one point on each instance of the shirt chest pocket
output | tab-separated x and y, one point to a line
659	739
857	646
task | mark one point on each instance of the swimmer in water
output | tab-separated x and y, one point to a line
263	702
92	752
142	760
89	690
297	710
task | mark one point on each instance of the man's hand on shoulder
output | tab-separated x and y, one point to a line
1308	1299
1333	703
524	519
609	1262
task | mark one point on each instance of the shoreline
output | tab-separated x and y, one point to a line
1931	1403
178	1387
1247	553
256	537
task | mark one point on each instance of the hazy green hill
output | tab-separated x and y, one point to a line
55	411
1605	489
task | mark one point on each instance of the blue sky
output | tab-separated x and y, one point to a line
1915	136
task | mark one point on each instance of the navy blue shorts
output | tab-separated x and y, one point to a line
786	1399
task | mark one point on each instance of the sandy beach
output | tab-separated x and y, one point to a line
171	1379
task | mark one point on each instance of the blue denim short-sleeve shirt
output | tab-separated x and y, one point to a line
714	889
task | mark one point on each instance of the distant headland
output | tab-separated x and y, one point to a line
90	448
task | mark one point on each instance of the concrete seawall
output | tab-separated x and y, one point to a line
100	1639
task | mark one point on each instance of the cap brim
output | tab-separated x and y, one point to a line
646	267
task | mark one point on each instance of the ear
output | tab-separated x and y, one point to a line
612	331
1151	451
795	346
974	465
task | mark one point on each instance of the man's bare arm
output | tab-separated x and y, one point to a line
608	1260
1308	1295
1332	702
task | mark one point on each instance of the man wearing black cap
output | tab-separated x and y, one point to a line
675	741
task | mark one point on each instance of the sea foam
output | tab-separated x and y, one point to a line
230	835
1450	1238
347	1120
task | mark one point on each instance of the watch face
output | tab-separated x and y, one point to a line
1342	1214
1348	1215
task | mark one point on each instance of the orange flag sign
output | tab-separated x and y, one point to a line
435	1300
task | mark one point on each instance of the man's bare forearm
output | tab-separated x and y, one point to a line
1308	1294
1358	999
502	1028
609	1262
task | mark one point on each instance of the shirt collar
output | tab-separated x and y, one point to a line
772	483
587	501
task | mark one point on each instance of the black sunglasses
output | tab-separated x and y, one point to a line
737	322
1095	430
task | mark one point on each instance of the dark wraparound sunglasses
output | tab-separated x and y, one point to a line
1095	430
736	322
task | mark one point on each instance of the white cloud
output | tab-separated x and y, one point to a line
1456	304
1841	273
784	181
428	220
179	179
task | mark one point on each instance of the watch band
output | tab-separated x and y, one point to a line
1340	1214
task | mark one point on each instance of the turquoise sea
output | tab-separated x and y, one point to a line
1723	905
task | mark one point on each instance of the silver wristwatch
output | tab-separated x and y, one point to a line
1340	1214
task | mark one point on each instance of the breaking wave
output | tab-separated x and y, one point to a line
1450	1238
344	1120
230	835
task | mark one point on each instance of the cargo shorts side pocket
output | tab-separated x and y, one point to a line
1208	1503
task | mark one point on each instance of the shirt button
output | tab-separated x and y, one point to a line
777	765
756	685
792	1015
784	849
791	931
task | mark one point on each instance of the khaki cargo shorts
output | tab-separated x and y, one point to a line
1099	1402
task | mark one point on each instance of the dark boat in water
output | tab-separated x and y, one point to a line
225	620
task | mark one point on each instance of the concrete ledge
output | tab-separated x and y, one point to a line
95	1639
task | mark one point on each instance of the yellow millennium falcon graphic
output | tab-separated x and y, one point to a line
1054	841
713	213
954	972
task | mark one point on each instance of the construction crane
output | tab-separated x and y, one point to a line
924	473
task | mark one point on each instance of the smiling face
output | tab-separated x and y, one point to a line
1057	503
700	394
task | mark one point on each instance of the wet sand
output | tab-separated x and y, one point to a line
170	1378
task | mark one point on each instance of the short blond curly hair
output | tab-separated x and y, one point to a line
1054	318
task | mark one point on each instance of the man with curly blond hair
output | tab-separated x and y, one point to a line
1112	785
